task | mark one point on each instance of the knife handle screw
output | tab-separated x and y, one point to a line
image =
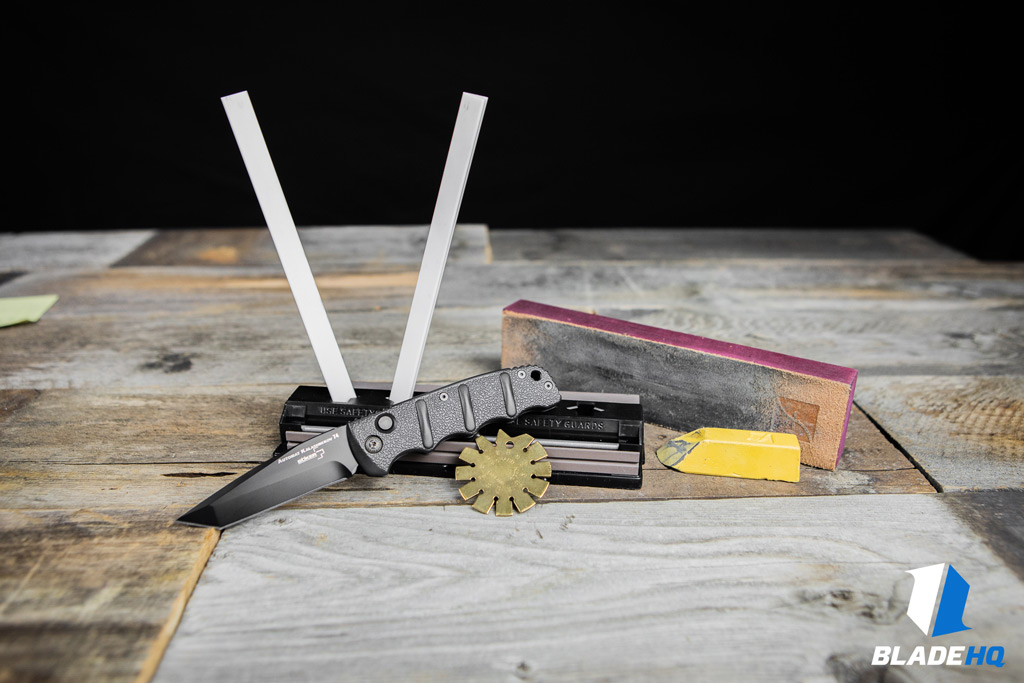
374	444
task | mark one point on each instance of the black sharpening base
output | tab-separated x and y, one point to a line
592	439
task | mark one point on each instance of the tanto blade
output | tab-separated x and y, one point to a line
308	467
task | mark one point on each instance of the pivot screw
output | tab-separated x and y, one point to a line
374	444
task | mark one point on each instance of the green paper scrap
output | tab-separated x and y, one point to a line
15	310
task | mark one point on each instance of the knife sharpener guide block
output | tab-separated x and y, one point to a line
592	439
687	382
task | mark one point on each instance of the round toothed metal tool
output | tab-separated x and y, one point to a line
505	472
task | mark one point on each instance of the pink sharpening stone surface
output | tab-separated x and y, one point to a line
610	347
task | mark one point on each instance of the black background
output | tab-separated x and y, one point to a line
835	116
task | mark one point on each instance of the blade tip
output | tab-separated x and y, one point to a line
198	518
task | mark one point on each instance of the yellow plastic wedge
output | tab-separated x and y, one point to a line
734	453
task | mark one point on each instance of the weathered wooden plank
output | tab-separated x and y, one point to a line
169	490
47	251
147	425
676	244
957	321
12	400
92	338
643	284
213	350
965	432
230	346
913	283
721	590
86	593
92	596
873	336
175	451
165	292
381	246
697	283
61	351
363	248
996	517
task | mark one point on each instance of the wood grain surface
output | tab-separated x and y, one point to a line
724	590
361	248
55	251
119	466
965	432
139	325
160	373
89	594
653	244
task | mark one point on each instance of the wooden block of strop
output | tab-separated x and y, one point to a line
687	382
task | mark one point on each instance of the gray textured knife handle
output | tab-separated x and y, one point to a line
459	409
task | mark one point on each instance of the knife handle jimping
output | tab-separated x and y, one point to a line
459	409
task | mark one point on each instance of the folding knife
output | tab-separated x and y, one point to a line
372	443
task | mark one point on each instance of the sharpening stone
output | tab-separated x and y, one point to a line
687	382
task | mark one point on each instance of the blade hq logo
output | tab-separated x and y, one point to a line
937	607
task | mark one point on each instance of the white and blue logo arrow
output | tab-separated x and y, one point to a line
939	592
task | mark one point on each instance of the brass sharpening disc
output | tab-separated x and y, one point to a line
502	473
